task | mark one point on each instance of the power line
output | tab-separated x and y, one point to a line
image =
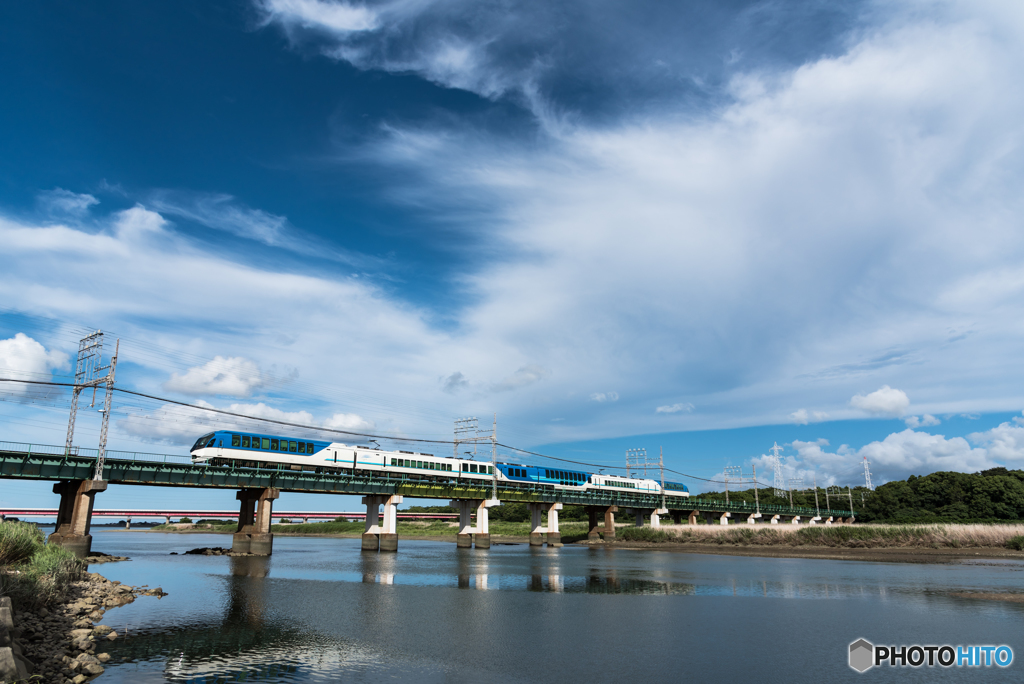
367	435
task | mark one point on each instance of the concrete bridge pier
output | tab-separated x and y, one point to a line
128	524
795	520
638	516
609	522
723	518
74	517
656	516
253	534
468	536
828	520
538	531
381	534
775	519
593	513
554	534
692	520
677	518
752	518
814	520
537	528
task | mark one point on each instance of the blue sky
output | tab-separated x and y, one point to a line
709	226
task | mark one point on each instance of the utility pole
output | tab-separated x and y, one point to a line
731	470
494	459
756	502
849	493
101	455
827	505
464	427
779	482
867	475
816	507
87	367
635	460
790	483
89	350
661	464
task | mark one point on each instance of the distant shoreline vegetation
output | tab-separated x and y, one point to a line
991	496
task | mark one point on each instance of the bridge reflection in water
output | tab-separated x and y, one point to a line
247	644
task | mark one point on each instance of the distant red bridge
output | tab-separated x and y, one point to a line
129	513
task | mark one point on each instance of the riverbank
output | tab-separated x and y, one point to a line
871	543
871	555
65	643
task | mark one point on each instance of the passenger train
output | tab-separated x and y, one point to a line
249	450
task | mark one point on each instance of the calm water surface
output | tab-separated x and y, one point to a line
320	610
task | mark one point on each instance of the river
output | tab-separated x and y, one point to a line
320	610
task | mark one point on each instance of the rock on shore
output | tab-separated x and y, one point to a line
59	646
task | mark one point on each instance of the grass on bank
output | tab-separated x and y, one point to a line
845	536
33	573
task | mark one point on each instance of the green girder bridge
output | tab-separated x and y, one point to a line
258	487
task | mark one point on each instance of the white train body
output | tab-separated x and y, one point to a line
226	448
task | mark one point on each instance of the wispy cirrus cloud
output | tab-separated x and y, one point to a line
226	213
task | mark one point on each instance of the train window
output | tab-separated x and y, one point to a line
266	442
394	461
309	448
236	440
302	447
292	446
419	464
245	441
472	468
273	445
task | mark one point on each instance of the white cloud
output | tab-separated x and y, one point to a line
1004	442
61	202
927	420
675	408
803	416
771	233
602	397
525	376
182	425
348	421
884	401
337	16
234	376
22	358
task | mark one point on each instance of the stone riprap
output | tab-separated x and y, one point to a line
60	645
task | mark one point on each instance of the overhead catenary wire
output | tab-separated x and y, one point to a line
351	433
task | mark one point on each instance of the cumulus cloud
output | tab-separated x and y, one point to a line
675	408
23	358
602	397
348	421
234	376
884	401
900	455
182	425
767	229
927	420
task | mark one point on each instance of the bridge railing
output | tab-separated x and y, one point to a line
81	452
626	498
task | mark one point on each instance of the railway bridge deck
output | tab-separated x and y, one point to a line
256	489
